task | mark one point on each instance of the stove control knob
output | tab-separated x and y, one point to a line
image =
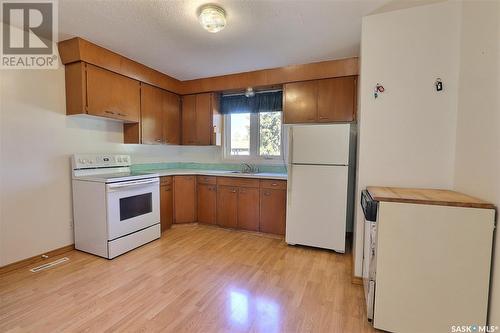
119	159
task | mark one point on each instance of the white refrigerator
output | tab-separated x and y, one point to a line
319	185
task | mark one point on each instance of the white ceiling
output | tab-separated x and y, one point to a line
166	36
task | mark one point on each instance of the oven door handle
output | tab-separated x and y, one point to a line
132	183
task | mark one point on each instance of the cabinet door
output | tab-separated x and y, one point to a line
184	199
300	102
166	207
207	201
204	119
248	209
272	211
112	95
336	99
189	120
151	114
171	118
227	206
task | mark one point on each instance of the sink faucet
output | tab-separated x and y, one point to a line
248	168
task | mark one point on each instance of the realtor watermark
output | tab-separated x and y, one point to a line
29	29
473	329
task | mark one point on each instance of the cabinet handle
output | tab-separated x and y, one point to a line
274	184
321	117
267	193
109	112
233	191
122	114
158	140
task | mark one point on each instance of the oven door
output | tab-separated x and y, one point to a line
132	206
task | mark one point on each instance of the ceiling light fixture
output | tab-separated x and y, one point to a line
212	18
249	92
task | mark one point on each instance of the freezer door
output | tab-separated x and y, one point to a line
320	144
317	206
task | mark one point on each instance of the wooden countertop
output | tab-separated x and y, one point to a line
427	197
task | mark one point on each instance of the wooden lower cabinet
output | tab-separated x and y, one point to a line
272	211
227	206
184	199
166	204
207	203
238	203
248	209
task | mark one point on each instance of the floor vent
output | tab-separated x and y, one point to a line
48	265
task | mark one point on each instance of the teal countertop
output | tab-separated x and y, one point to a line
212	169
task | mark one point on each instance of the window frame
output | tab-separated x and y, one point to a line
254	155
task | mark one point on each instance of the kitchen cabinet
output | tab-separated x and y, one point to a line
300	102
184	199
111	95
272	211
171	118
166	203
230	202
201	120
243	211
336	99
320	101
207	203
248	208
227	206
151	115
160	118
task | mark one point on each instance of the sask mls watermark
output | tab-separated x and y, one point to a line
28	31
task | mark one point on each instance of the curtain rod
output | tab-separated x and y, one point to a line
256	92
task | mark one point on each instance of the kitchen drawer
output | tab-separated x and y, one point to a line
240	182
273	184
211	180
166	180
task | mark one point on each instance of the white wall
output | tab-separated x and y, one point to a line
407	135
36	141
477	167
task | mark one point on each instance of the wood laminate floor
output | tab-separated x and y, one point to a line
194	279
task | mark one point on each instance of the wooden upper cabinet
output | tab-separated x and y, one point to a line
300	102
248	209
112	95
227	206
184	199
171	118
189	120
151	114
201	120
207	202
336	99
320	101
160	118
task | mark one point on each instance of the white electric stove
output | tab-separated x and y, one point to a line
115	209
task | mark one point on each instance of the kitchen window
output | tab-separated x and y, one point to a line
253	126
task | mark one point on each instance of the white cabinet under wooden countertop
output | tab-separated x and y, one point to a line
433	259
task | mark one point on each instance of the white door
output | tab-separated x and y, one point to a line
132	206
317	206
320	144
